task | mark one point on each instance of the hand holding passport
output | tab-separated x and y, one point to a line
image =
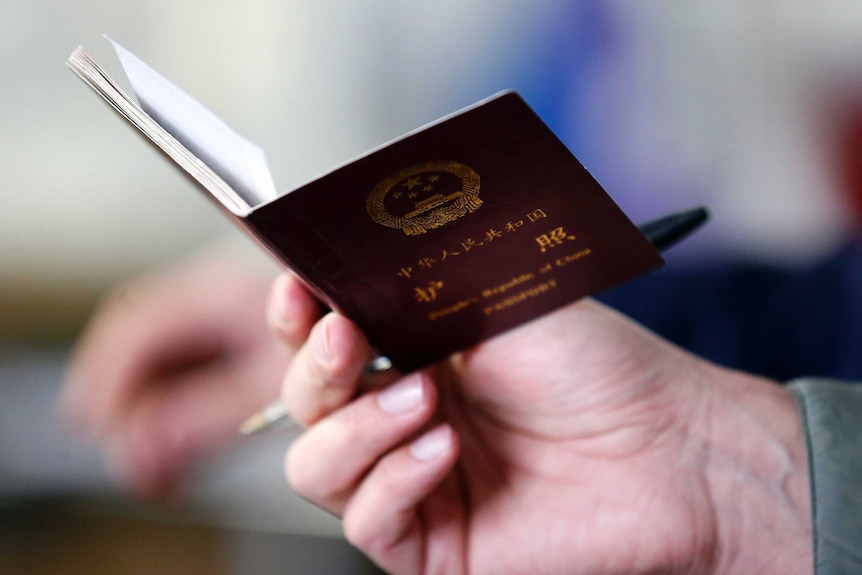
446	255
571	440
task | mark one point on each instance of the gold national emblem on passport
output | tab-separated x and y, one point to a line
424	196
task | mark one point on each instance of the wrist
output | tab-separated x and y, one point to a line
753	456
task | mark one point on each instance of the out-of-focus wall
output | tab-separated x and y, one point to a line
668	104
732	103
85	202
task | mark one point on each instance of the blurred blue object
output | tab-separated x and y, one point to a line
775	322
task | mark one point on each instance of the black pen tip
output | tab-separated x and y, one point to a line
667	231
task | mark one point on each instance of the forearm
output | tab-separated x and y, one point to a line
755	463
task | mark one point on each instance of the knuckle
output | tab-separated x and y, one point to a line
389	473
371	529
362	524
316	476
296	472
358	530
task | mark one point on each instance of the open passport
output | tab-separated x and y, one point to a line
431	243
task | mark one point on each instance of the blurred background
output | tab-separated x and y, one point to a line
751	108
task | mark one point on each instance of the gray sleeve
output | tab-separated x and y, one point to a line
832	415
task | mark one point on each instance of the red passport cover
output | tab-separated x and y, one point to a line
454	233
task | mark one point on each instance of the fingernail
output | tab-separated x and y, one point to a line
433	445
406	395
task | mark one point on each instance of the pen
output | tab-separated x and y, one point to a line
663	232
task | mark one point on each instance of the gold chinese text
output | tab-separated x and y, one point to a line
427	294
552	239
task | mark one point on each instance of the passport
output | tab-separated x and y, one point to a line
431	243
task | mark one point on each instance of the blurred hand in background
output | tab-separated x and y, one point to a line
171	363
